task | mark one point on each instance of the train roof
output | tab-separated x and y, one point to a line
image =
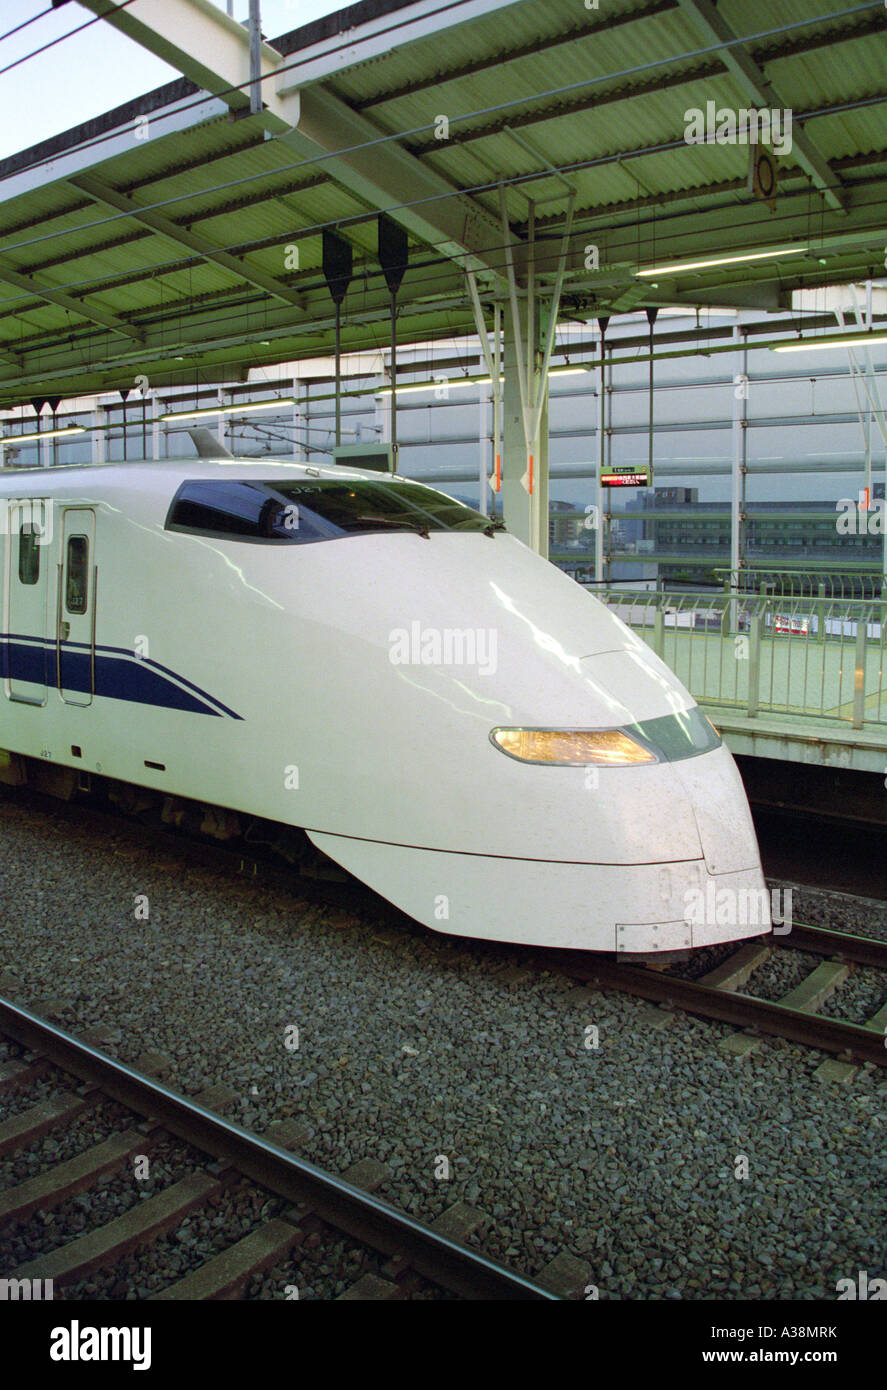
167	474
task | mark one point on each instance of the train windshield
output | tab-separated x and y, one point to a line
301	513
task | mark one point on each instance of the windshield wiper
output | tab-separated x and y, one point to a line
493	527
402	524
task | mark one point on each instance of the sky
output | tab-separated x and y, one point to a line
96	69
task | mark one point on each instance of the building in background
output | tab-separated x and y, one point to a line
804	444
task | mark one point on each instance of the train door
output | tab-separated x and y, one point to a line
76	606
28	560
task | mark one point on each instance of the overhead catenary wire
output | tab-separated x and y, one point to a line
307	231
303	232
52	43
231	322
92	284
313	229
870	6
209	313
202	99
635	355
388	137
50	9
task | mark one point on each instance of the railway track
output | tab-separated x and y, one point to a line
719	995
414	1255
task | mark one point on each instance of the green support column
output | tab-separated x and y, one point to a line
525	513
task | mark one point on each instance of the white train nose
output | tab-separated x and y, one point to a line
715	791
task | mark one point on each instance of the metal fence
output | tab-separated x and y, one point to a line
795	583
762	653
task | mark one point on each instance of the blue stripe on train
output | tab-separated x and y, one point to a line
117	676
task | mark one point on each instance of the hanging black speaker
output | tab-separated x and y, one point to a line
337	265
393	251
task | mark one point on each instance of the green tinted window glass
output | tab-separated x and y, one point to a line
28	556
676	736
77	575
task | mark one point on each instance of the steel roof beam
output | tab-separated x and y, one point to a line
101	192
128	235
361	157
199	40
740	63
281	323
350	149
41	290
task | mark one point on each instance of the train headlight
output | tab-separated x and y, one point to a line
572	747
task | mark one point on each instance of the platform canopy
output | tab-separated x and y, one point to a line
182	234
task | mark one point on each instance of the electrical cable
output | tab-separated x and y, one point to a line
25	23
386	138
94	284
304	232
35	53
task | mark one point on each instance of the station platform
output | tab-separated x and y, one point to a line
801	739
774	687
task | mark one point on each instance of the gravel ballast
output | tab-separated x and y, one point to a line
469	1079
61	1143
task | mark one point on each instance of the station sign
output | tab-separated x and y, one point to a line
625	476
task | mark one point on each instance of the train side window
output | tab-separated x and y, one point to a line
77	574
28	556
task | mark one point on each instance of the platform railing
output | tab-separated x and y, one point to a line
795	583
763	653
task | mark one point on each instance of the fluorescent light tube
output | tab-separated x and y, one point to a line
818	344
42	434
677	267
247	407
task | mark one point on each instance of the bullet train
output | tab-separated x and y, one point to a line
442	712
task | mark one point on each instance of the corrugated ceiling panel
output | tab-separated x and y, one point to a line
852	132
520	26
754	16
583	68
244	175
151	157
813	79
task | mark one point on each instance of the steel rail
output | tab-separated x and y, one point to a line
848	1040
823	941
360	1214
